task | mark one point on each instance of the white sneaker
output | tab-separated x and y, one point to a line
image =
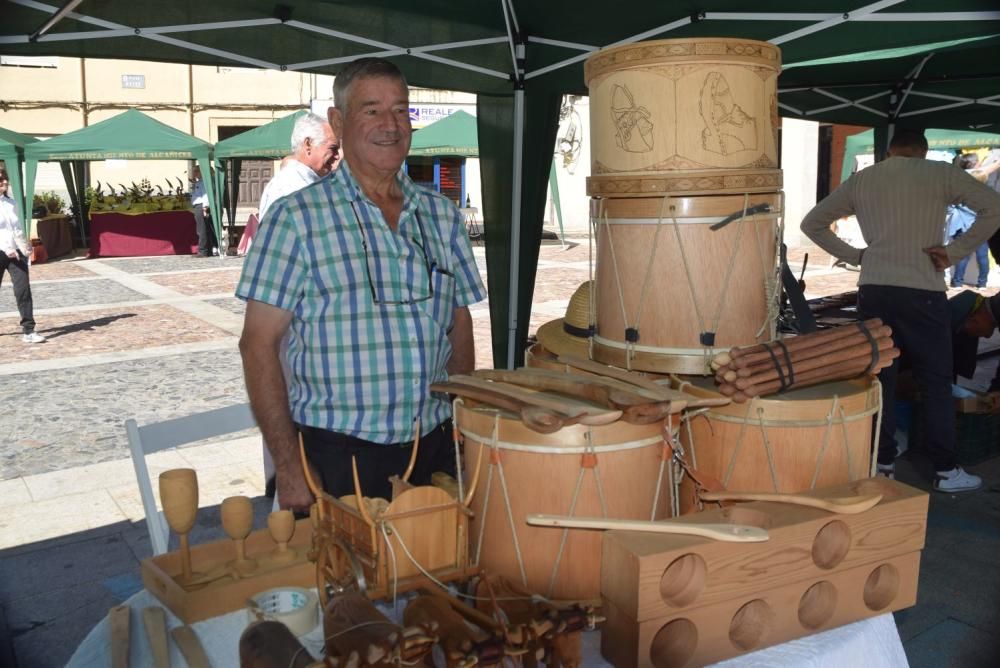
957	480
886	471
33	337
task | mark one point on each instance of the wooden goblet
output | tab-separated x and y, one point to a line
179	497
281	524
237	521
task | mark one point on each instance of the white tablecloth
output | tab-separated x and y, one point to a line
873	643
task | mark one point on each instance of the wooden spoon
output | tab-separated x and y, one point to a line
730	533
586	413
843	505
537	418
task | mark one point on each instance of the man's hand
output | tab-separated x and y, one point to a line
992	401
939	257
12	254
293	492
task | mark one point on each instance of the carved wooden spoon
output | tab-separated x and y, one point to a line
842	505
730	533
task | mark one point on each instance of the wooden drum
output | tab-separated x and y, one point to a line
685	116
812	437
671	291
616	471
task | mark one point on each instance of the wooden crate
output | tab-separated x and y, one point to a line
225	595
649	576
773	615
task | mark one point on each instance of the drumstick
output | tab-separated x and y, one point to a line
797	356
803	340
834	372
862	351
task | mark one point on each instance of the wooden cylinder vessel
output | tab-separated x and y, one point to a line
694	116
558	474
813	437
689	291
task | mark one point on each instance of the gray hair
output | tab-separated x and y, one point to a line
309	126
363	68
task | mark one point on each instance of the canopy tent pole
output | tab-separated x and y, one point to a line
515	223
557	205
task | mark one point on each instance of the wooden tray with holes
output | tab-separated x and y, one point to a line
729	628
226	594
650	575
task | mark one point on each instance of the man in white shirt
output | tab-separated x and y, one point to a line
315	153
14	252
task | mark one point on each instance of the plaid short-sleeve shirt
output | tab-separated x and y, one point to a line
371	307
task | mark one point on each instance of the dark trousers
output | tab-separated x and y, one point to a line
206	235
331	453
921	329
994	243
22	288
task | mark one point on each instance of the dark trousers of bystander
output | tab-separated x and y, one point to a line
18	269
206	235
330	453
921	329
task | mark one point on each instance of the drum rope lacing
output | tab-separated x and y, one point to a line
772	282
835	416
588	450
708	327
385	526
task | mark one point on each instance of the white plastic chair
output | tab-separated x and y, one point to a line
158	436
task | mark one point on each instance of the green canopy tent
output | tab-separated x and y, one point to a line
272	140
863	143
455	134
12	154
131	135
519	57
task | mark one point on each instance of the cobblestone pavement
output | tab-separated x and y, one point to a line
154	338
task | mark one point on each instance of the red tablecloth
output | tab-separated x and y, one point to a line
157	233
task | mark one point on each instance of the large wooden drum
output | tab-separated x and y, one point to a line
812	437
615	471
685	116
671	291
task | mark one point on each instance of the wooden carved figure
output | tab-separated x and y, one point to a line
463	645
353	625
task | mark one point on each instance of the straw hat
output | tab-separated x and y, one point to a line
570	335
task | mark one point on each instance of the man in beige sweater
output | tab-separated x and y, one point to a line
900	205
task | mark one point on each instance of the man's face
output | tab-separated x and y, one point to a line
980	323
376	125
322	156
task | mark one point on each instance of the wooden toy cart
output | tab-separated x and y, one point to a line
423	531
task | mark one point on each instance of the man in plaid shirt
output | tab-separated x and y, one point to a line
372	276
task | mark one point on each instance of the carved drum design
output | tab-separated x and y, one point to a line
692	116
616	471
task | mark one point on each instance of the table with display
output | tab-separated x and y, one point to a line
873	643
55	231
117	233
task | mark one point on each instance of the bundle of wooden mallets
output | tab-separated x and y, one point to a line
862	348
